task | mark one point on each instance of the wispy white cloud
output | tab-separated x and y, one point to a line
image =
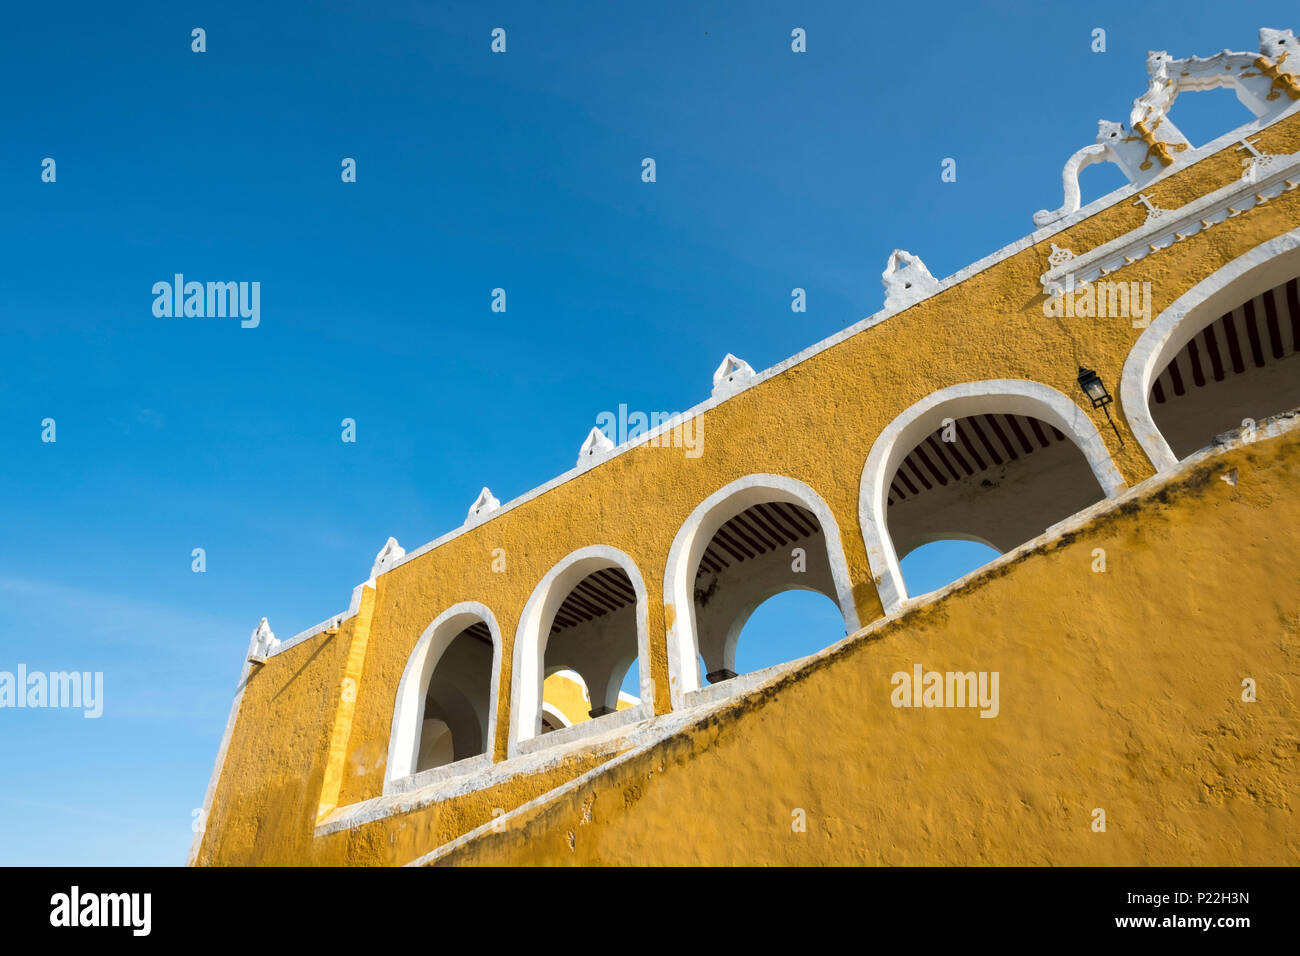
55	607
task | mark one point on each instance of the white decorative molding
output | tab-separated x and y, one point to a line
1262	267
906	280
483	505
1151	145
1154	212
896	441
1088	156
1059	256
1164	227
263	643
1255	162
596	448
388	558
731	376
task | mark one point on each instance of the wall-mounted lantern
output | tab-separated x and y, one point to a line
1095	389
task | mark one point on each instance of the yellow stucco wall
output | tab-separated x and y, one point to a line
814	423
570	698
1118	690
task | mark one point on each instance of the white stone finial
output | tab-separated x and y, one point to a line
906	280
483	505
731	376
595	448
388	556
263	642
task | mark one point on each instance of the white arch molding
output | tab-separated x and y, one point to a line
1265	266
688	548
1010	396
408	711
534	627
556	715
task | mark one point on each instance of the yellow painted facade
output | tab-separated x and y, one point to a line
569	697
1104	705
1135	712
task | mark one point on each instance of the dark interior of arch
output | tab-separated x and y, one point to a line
1240	365
594	633
764	550
457	704
997	478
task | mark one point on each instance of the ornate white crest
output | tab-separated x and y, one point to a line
263	642
388	556
1151	143
731	376
483	505
1255	162
906	280
596	448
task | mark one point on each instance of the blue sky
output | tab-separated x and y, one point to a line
475	171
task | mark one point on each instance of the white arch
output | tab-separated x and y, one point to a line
534	629
556	715
688	548
1009	396
1265	266
408	711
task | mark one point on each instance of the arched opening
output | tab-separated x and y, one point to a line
997	480
756	538
787	626
937	564
769	548
566	701
445	712
586	619
593	633
563	696
1241	365
996	462
457	703
1223	352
